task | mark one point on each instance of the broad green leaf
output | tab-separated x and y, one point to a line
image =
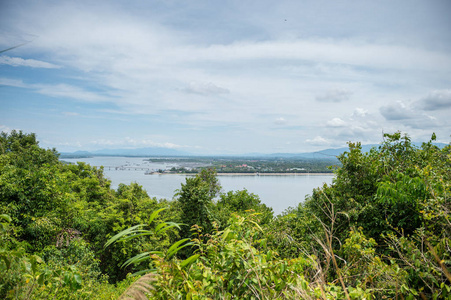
122	234
155	214
189	260
175	247
143	272
225	234
6	218
167	228
159	226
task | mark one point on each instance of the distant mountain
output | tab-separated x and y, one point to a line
154	151
322	154
82	153
333	153
158	151
76	154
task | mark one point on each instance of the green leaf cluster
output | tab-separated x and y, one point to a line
63	214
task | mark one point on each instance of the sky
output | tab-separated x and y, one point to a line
225	77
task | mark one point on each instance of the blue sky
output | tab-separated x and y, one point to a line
224	77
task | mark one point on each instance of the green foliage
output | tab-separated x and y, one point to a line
239	202
291	234
196	201
382	229
251	165
385	188
139	231
426	265
124	211
233	263
209	176
368	271
64	213
76	253
26	276
396	191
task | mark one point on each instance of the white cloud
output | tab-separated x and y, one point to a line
151	143
336	122
60	144
162	61
396	111
347	52
280	121
143	61
20	62
437	100
133	143
335	95
206	89
359	112
70	113
4	128
58	90
318	141
69	91
406	114
12	82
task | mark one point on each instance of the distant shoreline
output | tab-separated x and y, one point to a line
272	174
250	174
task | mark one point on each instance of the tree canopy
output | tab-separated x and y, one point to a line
381	230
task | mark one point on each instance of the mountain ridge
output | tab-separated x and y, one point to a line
160	151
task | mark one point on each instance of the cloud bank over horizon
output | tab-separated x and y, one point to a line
225	77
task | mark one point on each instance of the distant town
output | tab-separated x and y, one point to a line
246	166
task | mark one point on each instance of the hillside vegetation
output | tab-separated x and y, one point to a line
381	230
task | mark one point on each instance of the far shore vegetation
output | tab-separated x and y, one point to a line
256	165
242	165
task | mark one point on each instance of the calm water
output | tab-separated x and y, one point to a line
278	192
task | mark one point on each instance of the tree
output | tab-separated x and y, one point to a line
31	185
384	188
209	176
196	200
239	202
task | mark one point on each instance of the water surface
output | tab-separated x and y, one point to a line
278	192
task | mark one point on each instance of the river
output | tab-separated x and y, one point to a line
278	192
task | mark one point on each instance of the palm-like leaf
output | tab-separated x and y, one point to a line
176	247
139	258
132	231
141	288
137	231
